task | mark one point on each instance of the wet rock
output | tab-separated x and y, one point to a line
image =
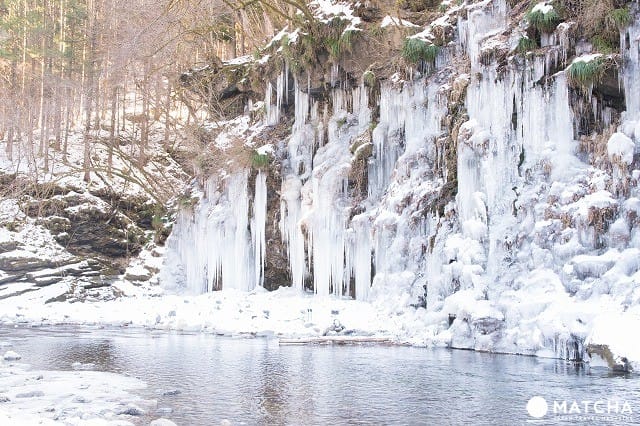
616	363
16	263
6	246
99	225
132	410
335	328
57	224
11	278
487	325
368	13
137	277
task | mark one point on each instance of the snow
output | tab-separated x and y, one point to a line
265	149
33	242
284	312
128	177
390	20
327	10
240	60
543	8
621	146
67	397
614	330
587	58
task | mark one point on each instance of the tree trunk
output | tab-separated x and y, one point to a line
112	130
89	87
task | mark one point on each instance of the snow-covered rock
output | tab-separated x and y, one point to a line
11	356
622	147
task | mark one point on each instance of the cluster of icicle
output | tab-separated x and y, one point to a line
221	244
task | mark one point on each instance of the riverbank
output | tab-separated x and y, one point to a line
289	314
54	397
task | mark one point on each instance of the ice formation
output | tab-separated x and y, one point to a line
531	246
218	244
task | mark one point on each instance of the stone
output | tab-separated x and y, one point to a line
615	363
132	410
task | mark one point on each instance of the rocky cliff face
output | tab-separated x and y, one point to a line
474	162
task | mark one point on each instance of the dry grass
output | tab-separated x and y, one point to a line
597	18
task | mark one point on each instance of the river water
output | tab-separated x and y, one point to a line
212	380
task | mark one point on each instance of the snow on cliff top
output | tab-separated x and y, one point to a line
327	10
543	8
390	20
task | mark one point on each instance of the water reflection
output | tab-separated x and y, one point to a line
205	379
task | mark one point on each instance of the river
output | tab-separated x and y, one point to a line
203	379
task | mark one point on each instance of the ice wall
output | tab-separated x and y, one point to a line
521	246
316	204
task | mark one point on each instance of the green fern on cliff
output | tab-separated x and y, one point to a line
415	50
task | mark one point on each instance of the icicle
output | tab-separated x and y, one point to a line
362	259
272	112
211	245
333	78
299	166
279	92
315	205
258	228
480	24
632	71
290	229
286	83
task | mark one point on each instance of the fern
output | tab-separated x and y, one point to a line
544	22
526	44
585	73
369	78
259	161
415	50
619	18
602	45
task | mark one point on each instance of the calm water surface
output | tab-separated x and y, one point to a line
256	381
